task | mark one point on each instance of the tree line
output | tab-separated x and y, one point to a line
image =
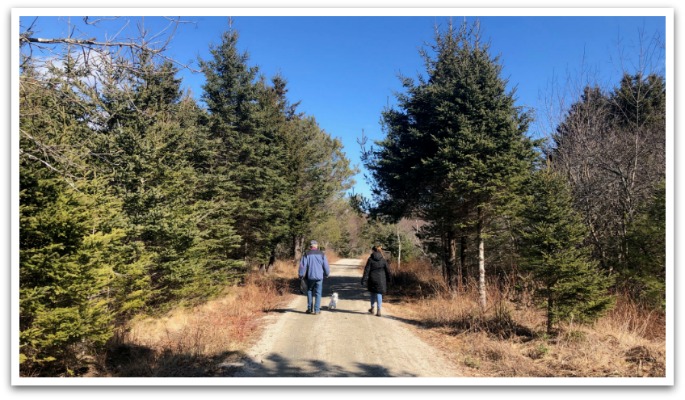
579	217
135	196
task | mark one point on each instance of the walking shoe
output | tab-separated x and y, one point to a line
317	313
309	311
378	314
371	310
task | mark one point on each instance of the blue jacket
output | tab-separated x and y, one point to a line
317	263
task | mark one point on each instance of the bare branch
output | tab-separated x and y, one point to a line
88	21
86	42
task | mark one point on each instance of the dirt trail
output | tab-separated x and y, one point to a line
344	342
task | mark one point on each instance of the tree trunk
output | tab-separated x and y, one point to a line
481	262
272	261
399	248
454	267
445	257
461	277
451	262
550	311
297	248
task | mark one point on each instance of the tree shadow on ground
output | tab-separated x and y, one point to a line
407	285
127	360
499	327
282	367
141	361
347	287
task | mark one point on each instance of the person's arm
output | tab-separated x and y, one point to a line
365	277
303	267
326	267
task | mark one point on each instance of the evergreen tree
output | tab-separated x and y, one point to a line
167	183
552	236
646	239
285	167
455	150
245	116
318	173
75	259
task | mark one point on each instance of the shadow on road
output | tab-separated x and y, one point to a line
228	364
139	361
347	287
282	367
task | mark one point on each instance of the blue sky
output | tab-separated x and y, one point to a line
345	69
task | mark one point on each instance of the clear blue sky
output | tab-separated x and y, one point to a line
344	70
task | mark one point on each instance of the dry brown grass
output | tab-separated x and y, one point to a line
509	340
199	340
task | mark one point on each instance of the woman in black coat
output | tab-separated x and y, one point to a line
376	277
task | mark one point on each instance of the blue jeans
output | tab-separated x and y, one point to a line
315	287
376	298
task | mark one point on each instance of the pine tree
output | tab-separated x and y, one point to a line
284	166
646	243
455	150
179	207
552	236
245	117
73	247
318	172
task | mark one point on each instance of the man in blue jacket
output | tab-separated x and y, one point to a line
314	265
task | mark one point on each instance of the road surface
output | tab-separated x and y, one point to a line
346	342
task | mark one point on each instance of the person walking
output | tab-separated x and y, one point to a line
376	277
314	267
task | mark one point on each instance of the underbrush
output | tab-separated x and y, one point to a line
509	338
206	340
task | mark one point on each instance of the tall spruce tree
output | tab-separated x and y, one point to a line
456	149
552	235
246	118
285	167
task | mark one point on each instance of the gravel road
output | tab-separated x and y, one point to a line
346	342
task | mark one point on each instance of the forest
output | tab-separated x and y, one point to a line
136	197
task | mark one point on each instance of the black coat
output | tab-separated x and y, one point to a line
376	273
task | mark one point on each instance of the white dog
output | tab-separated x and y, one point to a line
334	301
